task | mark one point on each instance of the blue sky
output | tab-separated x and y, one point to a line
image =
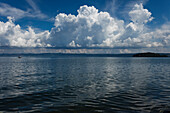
98	23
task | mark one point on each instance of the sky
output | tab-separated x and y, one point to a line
127	25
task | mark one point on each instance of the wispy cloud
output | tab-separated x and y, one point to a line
33	5
112	6
36	10
8	10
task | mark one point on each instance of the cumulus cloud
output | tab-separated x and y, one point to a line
93	28
159	37
90	28
140	15
13	35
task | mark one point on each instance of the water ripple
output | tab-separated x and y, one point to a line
81	85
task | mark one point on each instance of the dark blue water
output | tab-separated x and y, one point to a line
85	85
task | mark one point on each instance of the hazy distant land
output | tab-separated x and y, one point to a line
81	55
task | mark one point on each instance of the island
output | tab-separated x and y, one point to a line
149	54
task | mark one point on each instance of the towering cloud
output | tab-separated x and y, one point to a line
90	28
139	17
93	28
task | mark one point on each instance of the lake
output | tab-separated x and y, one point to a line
85	84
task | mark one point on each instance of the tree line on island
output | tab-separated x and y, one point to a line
149	54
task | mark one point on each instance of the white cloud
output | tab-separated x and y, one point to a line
125	51
104	30
91	28
13	35
139	17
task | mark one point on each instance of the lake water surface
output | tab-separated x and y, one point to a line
85	85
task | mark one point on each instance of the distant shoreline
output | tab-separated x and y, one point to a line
75	55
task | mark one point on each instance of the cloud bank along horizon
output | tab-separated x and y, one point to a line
90	28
